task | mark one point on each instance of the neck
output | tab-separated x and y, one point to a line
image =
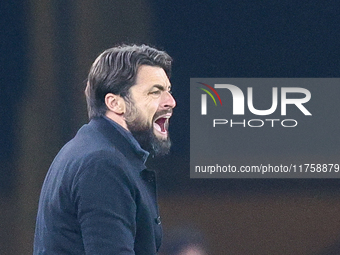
119	119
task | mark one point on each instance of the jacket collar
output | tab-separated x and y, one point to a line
121	138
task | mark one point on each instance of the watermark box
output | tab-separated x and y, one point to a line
264	128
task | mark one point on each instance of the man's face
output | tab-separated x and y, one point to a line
149	109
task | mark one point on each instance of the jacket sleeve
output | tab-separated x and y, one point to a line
104	197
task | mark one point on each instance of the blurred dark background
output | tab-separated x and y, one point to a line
46	50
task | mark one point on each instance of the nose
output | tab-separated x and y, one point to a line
168	100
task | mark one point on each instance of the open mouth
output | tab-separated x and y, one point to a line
161	124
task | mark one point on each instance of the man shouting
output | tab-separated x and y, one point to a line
98	197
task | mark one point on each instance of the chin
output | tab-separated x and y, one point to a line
156	142
161	137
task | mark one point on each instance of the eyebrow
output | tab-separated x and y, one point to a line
160	87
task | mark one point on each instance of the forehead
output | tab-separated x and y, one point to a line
148	76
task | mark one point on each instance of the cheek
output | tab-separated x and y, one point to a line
150	110
146	115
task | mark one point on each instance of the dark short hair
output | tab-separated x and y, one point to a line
115	70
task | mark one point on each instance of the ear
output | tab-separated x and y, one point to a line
115	103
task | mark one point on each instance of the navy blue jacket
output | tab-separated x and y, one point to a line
98	197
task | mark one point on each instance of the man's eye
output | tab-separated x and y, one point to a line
157	92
